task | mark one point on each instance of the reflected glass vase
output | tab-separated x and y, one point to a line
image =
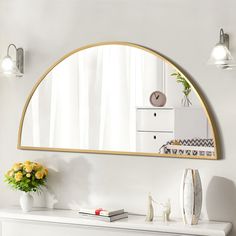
185	100
26	202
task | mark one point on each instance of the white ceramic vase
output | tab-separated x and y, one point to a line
191	196
26	202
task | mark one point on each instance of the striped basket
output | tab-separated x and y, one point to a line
189	147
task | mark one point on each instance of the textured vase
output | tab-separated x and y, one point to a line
191	196
26	202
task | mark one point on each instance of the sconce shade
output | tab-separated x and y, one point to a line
220	54
11	67
7	63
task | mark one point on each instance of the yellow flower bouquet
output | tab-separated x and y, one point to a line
27	177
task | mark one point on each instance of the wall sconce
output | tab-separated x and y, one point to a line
11	67
220	54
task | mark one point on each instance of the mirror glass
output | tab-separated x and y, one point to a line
117	98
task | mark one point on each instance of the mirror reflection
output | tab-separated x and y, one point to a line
117	98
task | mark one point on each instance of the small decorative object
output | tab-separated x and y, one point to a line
191	196
27	177
103	215
150	211
166	211
158	99
187	88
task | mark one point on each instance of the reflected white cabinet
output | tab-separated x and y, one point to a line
156	126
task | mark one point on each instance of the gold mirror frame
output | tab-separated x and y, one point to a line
167	60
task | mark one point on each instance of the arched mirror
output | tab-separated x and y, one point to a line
117	98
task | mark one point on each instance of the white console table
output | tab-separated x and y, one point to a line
68	223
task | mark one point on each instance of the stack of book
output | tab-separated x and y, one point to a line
103	215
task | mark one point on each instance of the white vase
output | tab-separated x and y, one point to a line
191	196
26	202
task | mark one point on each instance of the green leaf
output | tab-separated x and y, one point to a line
181	79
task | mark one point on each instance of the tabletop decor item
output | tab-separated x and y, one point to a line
186	88
103	214
158	99
150	210
166	209
191	196
27	177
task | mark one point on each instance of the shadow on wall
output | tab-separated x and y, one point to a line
67	185
221	200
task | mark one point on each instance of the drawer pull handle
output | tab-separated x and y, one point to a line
155	137
155	114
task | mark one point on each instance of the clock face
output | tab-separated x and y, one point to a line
158	99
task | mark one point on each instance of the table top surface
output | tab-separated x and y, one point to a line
133	222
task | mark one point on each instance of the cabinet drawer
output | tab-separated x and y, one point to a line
152	141
155	120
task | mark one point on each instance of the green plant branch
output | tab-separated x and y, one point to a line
181	79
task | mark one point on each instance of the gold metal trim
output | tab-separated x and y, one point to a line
195	88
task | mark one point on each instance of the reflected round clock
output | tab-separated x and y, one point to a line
158	99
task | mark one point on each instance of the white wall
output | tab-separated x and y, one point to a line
182	30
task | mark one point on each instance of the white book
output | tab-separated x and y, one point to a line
102	212
104	218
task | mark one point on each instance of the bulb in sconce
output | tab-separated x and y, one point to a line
221	53
7	63
9	67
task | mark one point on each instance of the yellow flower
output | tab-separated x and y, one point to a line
17	166
27	163
39	175
28	168
37	166
28	175
10	173
45	171
18	176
